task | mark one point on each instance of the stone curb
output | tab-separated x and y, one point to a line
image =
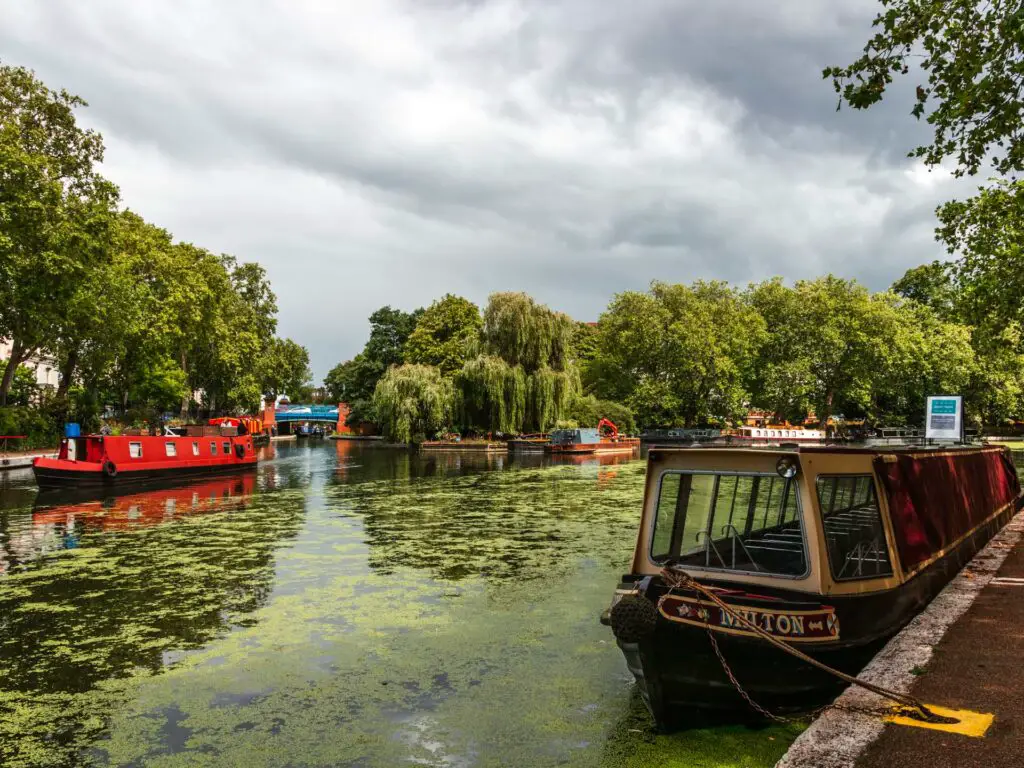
839	736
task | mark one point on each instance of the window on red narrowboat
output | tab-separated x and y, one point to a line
227	447
854	536
135	450
731	522
213	448
171	449
195	447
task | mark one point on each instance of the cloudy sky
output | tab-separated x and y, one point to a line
389	151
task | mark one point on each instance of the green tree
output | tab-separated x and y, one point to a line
158	386
55	212
996	393
989	233
587	411
677	355
285	368
832	346
931	285
826	340
527	334
493	395
389	330
106	337
414	403
446	334
926	355
23	388
354	381
525	378
584	343
250	283
966	57
982	289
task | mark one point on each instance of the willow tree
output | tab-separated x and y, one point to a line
549	397
525	378
413	403
522	332
493	395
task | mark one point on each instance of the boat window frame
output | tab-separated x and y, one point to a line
226	445
171	449
794	485
889	550
195	447
135	445
213	447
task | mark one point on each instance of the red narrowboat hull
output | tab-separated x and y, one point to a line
106	461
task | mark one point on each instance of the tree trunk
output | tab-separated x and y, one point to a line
187	397
67	373
16	358
826	411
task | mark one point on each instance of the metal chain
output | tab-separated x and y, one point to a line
736	683
742	691
680	579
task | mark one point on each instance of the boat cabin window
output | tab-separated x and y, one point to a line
171	449
195	447
213	448
734	522
227	447
135	450
854	535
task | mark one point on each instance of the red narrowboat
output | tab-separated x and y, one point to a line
107	460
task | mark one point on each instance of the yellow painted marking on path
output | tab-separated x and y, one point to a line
973	724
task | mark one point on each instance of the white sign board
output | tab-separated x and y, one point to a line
944	418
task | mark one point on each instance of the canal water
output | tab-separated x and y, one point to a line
341	605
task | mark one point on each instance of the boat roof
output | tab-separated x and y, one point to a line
840	448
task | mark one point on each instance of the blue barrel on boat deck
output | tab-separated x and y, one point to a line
72	430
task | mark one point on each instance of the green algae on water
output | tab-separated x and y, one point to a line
366	608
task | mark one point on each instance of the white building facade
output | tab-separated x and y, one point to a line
45	367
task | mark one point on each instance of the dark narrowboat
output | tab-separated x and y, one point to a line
108	460
830	549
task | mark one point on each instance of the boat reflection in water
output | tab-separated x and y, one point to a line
58	525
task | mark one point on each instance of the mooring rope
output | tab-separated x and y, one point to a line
678	579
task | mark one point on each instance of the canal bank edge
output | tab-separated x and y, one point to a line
842	734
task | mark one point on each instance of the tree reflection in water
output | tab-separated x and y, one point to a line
347	605
100	590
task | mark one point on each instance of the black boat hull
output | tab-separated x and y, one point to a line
678	672
49	478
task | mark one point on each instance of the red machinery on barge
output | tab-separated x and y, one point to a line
108	460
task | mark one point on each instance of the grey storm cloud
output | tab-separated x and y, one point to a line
392	151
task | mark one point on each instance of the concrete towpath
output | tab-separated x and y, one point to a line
977	666
963	652
21	459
